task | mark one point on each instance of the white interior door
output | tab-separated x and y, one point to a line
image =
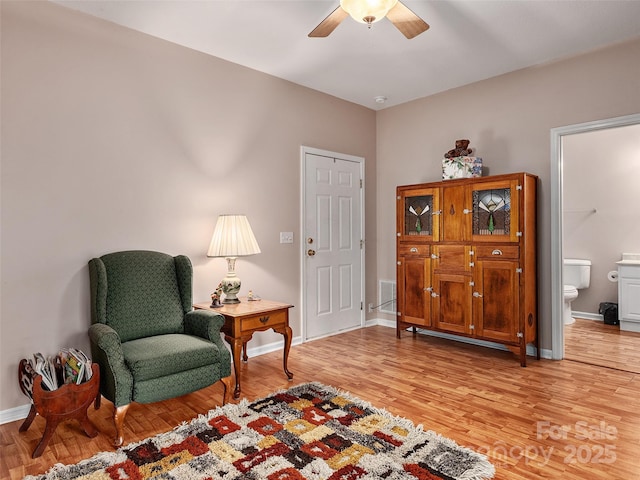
333	243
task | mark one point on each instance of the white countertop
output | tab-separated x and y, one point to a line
630	259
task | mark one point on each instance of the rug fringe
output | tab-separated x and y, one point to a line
59	468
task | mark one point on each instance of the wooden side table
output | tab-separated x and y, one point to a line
67	402
243	319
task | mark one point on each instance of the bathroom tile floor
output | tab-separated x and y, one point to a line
593	342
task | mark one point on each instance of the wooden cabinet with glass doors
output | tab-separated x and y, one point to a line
466	259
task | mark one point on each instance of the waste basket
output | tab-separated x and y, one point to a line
609	312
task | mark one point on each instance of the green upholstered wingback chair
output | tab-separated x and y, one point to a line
149	342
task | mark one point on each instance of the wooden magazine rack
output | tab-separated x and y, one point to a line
70	401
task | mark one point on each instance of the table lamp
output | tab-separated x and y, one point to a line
232	238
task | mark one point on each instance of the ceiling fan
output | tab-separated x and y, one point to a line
371	11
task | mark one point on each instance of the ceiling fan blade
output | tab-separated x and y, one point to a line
330	23
406	21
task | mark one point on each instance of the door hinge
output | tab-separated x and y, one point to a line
518	187
518	270
360	183
472	284
398	314
519	335
361	244
472	327
518	234
361	306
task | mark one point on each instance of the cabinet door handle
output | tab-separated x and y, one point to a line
471	264
434	256
437	212
264	319
496	252
413	250
434	294
466	211
477	295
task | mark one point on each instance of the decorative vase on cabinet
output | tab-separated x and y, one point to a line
466	259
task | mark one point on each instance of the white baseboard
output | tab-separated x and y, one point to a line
271	347
383	322
13	414
588	316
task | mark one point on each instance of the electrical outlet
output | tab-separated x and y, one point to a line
370	307
286	237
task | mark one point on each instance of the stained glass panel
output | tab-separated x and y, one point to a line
418	219
492	211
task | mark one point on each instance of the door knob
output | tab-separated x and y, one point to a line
311	253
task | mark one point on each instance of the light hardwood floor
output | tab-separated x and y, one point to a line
591	341
552	419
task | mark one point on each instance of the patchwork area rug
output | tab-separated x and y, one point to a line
309	432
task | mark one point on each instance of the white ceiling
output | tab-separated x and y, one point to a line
469	40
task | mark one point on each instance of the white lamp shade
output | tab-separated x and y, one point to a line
232	237
361	9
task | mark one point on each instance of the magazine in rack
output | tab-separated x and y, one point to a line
70	365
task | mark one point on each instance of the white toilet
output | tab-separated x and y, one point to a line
576	275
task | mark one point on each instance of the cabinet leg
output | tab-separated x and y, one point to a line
523	352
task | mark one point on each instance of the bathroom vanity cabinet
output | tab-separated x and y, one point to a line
629	292
466	259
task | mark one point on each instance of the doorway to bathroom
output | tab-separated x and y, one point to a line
595	167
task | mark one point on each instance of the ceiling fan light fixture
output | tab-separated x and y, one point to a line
367	11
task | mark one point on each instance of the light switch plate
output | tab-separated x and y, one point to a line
286	237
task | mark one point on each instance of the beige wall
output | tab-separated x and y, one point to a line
508	119
112	139
601	171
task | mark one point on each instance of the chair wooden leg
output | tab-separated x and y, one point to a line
118	419
227	383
